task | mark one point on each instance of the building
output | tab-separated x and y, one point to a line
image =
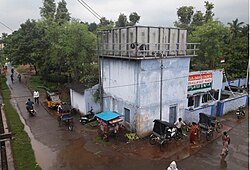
82	98
144	74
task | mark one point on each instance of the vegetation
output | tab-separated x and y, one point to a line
217	41
21	146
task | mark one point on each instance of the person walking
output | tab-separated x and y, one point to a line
225	143
193	134
178	125
36	96
12	78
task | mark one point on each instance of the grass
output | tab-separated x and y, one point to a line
23	70
23	153
36	82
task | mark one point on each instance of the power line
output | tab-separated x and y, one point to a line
6	26
92	11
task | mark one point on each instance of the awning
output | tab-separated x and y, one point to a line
107	116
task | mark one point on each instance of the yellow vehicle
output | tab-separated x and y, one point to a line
53	100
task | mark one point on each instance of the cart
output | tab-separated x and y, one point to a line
108	123
53	100
65	116
206	126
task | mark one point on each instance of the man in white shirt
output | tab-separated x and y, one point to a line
36	96
178	125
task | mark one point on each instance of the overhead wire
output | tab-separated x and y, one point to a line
6	26
91	10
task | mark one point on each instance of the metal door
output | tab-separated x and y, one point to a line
172	113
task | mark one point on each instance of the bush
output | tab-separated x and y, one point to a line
56	78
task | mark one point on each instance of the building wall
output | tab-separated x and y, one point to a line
232	104
120	78
120	84
84	102
77	101
135	85
193	115
238	83
174	90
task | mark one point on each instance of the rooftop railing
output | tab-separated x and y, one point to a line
147	50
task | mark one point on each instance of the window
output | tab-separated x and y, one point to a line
197	101
127	115
190	101
204	98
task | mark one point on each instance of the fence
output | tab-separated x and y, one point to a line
216	108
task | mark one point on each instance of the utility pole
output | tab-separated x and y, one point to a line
161	87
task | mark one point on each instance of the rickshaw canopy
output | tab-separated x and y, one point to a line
108	115
161	126
205	119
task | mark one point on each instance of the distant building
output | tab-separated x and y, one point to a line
144	74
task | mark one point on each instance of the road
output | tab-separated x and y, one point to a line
56	148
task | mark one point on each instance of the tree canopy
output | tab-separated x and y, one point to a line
217	41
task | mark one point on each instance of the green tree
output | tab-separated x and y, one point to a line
122	21
211	37
235	28
209	13
236	58
62	14
92	27
105	24
237	50
72	53
26	46
48	10
134	18
184	14
198	19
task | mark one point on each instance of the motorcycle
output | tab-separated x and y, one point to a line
32	111
240	113
88	117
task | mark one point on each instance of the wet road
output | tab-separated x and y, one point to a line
58	149
208	157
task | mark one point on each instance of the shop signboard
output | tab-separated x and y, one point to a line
200	81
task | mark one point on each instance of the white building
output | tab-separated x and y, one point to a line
82	98
144	74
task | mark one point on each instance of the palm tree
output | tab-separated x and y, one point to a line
235	28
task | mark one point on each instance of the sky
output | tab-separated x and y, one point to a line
153	12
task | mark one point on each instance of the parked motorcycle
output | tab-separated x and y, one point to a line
89	117
240	113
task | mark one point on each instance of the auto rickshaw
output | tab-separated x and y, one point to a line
53	100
